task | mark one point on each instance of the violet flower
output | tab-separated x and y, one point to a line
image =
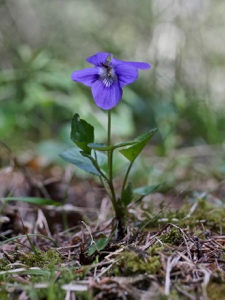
107	78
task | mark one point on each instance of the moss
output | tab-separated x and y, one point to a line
4	296
66	276
212	217
4	265
49	262
131	262
215	217
175	295
173	237
216	291
54	288
48	259
206	214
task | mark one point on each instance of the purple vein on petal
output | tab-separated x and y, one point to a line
106	97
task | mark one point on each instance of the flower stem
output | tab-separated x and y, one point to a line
110	167
109	127
119	210
110	152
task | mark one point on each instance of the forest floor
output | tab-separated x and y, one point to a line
174	247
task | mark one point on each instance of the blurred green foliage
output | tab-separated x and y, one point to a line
42	42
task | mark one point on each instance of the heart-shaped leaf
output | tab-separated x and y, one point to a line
76	158
82	133
146	190
131	152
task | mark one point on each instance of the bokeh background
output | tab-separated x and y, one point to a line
43	42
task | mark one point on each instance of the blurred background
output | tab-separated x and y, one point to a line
43	42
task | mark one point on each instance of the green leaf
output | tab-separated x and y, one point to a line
124	144
94	161
127	194
100	157
134	150
101	243
75	157
100	147
103	147
34	271
33	200
25	236
82	133
146	190
98	245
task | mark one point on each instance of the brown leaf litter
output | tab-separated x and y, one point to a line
165	258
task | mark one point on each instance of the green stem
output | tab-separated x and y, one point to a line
110	168
109	127
106	180
119	212
110	152
126	176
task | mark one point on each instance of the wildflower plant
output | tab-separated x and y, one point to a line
106	80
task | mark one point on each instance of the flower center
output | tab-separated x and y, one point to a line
107	74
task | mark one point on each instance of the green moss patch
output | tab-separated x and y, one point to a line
135	261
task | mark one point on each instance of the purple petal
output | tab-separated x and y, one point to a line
98	58
126	73
86	76
138	65
106	97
